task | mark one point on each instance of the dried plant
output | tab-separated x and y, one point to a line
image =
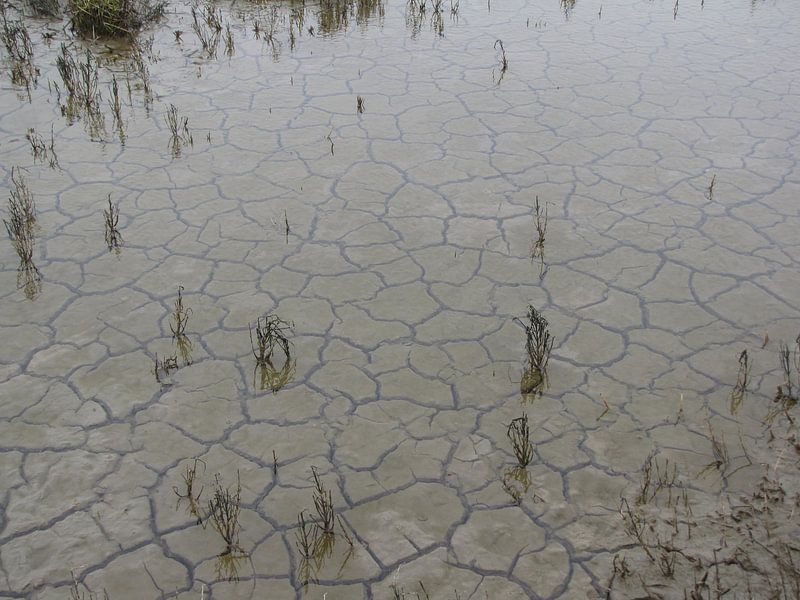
112	234
79	591
786	396
739	391
19	50
20	226
207	25
519	435
115	102
180	316
274	379
655	477
229	44
538	345
359	105
719	450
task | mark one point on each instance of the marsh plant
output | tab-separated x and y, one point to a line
739	391
113	18
179	131
112	234
189	493
315	537
538	344
80	81
519	434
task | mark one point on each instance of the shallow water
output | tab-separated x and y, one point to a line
398	241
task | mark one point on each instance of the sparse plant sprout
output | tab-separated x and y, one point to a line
164	366
305	543
503	59
538	345
270	333
112	234
179	131
113	18
192	498
655	477
80	81
786	396
719	451
323	504
739	391
78	591
519	435
21	208
359	105
180	316
38	147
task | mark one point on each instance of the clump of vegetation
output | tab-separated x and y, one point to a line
113	18
538	344
113	236
223	513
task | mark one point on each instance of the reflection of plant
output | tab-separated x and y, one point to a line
274	379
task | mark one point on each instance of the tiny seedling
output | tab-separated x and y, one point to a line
519	435
112	234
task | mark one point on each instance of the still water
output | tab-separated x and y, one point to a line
369	173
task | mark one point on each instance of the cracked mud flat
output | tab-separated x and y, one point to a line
398	241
